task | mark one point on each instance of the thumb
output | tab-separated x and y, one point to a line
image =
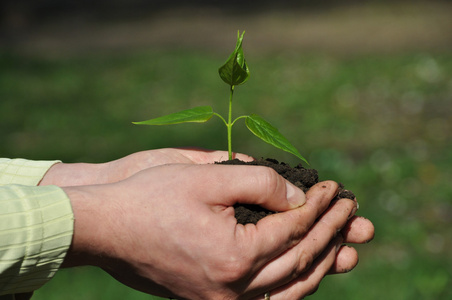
261	186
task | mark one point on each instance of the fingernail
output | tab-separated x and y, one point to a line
339	242
294	195
354	210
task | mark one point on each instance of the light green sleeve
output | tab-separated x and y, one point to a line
36	226
22	171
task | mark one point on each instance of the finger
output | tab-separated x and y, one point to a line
256	185
296	223
358	230
286	229
346	260
297	260
206	156
308	282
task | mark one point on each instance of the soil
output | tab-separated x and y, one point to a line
298	175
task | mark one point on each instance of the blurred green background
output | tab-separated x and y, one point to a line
363	90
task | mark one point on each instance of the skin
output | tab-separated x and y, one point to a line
168	226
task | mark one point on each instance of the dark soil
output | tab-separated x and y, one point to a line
299	176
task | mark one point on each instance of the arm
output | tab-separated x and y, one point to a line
23	201
127	203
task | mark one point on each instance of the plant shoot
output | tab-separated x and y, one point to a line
234	72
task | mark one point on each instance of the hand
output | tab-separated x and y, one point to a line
170	231
67	174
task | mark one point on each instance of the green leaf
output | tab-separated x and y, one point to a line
265	131
235	71
198	114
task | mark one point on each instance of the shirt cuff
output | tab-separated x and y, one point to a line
36	228
22	171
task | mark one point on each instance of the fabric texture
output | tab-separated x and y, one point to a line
36	226
22	171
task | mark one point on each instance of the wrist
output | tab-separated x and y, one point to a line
75	174
90	216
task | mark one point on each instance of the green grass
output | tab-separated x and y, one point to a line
378	123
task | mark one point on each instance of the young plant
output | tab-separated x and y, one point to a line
234	72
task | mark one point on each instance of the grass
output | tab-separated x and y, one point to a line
378	123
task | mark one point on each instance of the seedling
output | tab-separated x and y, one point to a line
234	72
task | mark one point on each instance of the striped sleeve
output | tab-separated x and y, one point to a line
22	171
36	227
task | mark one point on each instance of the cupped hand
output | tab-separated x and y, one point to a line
127	166
321	251
72	174
170	231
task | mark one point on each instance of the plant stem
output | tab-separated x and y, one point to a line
236	119
222	119
229	125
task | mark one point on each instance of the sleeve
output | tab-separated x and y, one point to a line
22	171
36	226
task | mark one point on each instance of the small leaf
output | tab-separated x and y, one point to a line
198	114
266	132
235	71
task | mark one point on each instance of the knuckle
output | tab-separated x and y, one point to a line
304	263
331	230
232	269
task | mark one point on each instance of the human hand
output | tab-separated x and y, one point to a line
72	174
170	231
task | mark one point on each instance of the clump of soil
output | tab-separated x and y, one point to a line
298	175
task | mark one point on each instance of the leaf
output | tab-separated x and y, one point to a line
266	132
198	114
235	71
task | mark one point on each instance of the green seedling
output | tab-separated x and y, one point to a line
234	72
